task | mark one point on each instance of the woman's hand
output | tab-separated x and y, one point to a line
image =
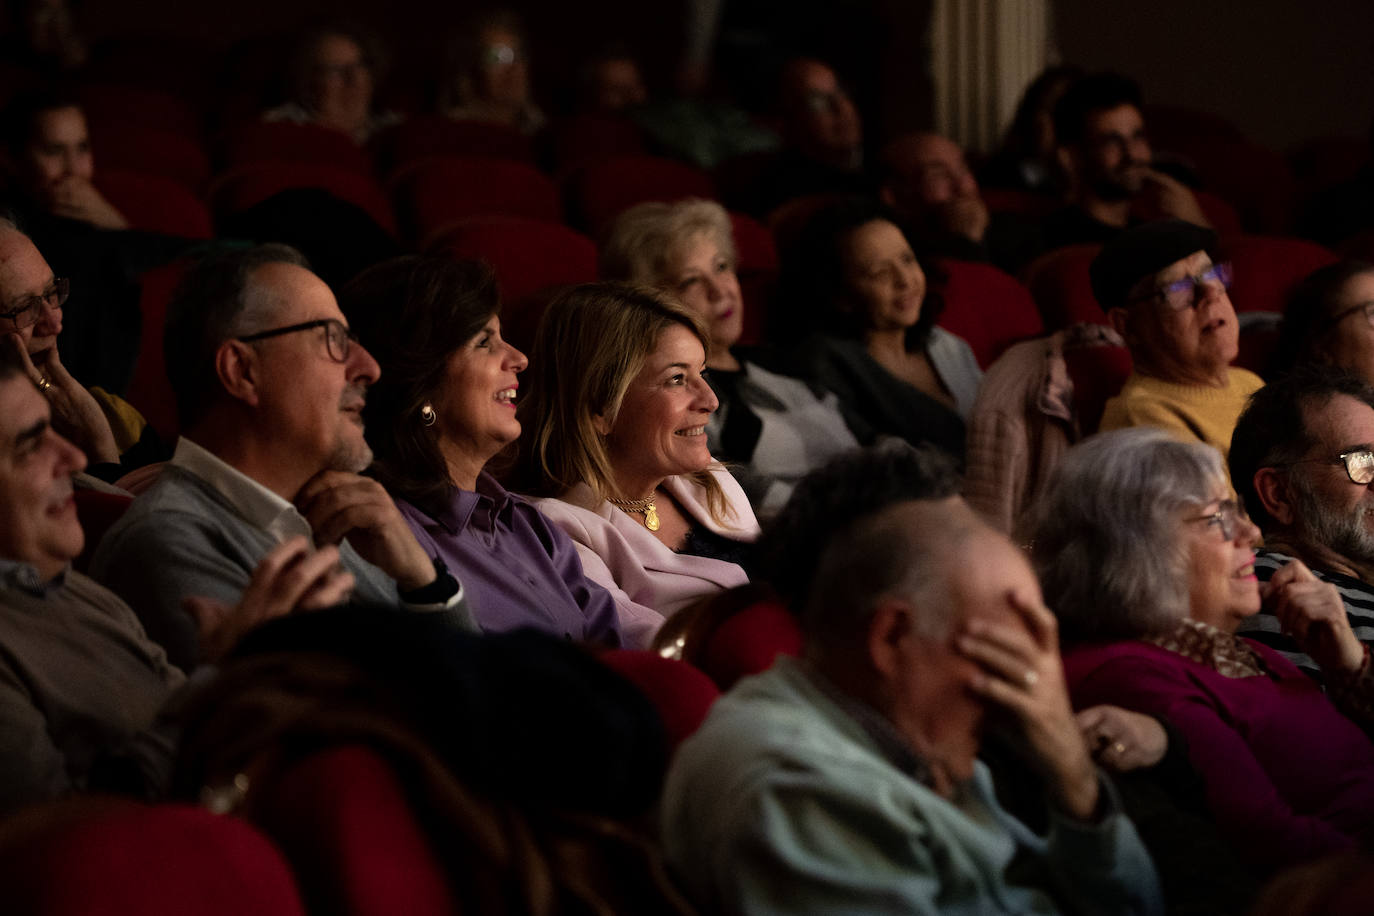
1313	613
1122	740
75	412
1019	669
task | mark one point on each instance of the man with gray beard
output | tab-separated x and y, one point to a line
1302	460
270	386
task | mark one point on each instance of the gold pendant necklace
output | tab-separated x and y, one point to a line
644	507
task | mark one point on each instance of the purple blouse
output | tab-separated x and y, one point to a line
517	569
1288	777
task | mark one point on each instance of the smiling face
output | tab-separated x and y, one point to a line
38	523
59	147
1222	588
24	274
1115	154
1191	345
660	430
886	283
309	404
704	277
476	399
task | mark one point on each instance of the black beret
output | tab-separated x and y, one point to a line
1140	252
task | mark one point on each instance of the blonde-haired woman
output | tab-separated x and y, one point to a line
615	448
773	428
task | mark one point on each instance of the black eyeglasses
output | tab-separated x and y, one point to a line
1366	307
1227	518
28	310
1181	294
338	339
1358	463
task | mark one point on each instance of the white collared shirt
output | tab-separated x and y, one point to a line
252	500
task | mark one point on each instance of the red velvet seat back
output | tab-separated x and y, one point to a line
600	191
433	194
156	203
988	308
1059	283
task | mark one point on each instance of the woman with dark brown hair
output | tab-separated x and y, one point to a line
443	407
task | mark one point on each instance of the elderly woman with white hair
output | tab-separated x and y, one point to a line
772	428
1149	564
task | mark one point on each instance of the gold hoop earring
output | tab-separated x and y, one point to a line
427	414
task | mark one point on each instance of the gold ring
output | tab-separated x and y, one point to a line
1031	678
43	384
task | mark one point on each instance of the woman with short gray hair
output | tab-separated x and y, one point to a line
1149	564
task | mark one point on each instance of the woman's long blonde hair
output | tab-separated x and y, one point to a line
592	342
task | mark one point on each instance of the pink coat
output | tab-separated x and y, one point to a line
649	581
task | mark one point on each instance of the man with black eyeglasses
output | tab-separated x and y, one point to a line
1167	298
270	386
1302	459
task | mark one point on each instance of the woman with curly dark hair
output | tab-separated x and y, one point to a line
864	313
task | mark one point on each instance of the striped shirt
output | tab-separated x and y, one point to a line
1264	626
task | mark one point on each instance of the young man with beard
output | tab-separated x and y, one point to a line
270	386
1106	157
1302	459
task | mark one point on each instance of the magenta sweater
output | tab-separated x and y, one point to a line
1288	776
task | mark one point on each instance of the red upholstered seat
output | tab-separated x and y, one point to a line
748	642
1268	267
109	857
988	308
152	151
1058	282
260	141
588	137
682	694
343	820
156	203
758	273
1098	374
97	511
530	258
1027	203
113	106
433	194
249	184
425	136
149	389
601	190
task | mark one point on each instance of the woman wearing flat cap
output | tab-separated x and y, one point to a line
1165	296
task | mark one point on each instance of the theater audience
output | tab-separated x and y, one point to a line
1165	296
1149	564
853	283
332	78
487	77
615	445
772	428
80	683
848	780
610	81
1301	461
1105	153
270	388
927	181
443	407
1329	318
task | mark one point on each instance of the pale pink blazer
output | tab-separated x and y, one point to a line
648	581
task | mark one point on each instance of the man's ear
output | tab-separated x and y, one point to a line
889	630
236	365
1272	487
